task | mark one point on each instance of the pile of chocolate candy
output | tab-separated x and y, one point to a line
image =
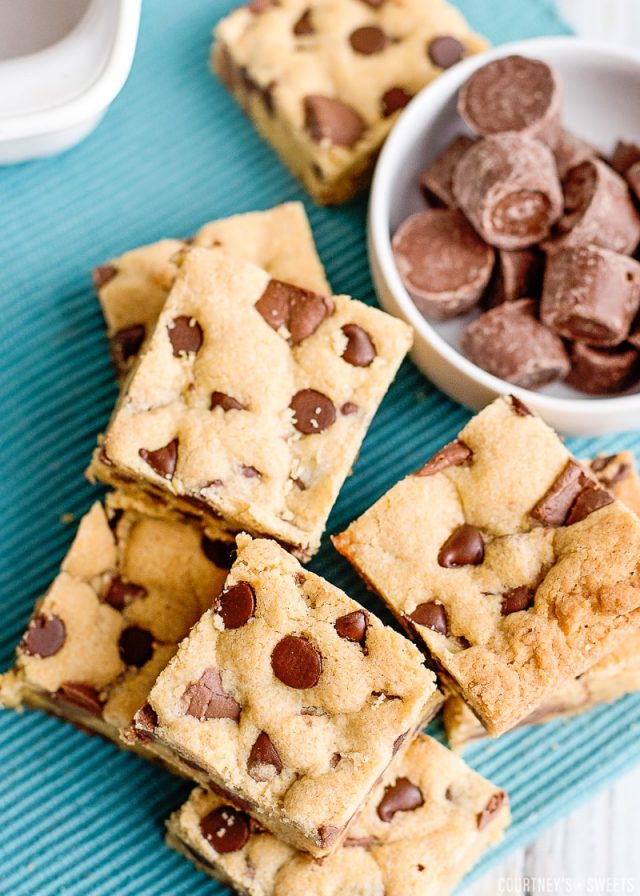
530	224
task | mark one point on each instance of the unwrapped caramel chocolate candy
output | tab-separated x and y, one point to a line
597	209
508	187
571	150
517	275
603	371
510	342
590	294
442	262
436	180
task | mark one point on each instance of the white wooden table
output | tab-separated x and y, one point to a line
595	849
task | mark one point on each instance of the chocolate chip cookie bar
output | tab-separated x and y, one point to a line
251	399
133	288
612	677
288	698
426	824
324	80
128	591
506	559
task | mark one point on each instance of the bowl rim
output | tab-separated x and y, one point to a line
380	203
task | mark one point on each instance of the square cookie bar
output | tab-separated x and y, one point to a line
506	559
426	824
251	400
128	591
133	288
324	80
617	674
288	698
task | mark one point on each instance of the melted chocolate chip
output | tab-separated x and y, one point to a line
226	829
554	507
520	407
332	121
403	796
264	760
432	615
127	342
496	802
84	696
299	311
368	40
353	626
236	605
185	335
226	402
221	553
304	25
517	599
44	636
296	662
394	99
207	698
464	547
328	834
250	472
136	646
360	350
445	51
313	412
162	460
145	723
588	501
120	593
452	455
103	274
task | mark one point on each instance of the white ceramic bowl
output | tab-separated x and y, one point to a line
61	63
601	86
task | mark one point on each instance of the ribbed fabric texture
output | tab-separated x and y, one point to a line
78	816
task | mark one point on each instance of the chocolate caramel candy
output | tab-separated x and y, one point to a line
603	371
517	275
597	209
508	188
625	155
570	150
442	262
511	343
590	294
436	181
633	179
512	94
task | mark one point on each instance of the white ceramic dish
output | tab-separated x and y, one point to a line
62	62
601	86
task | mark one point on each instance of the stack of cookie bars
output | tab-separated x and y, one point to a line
182	624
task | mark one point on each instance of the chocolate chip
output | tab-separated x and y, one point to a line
103	275
84	696
207	698
264	760
226	402
299	483
44	636
353	626
236	605
162	460
226	794
520	407
432	615
620	471
360	350
452	455
554	507
299	311
328	834
313	412
331	120
250	472
120	593
368	40
496	802
304	25
588	501
394	99
127	342
226	829
464	547
185	335
445	51
136	646
145	722
221	553
296	662
403	796
517	599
